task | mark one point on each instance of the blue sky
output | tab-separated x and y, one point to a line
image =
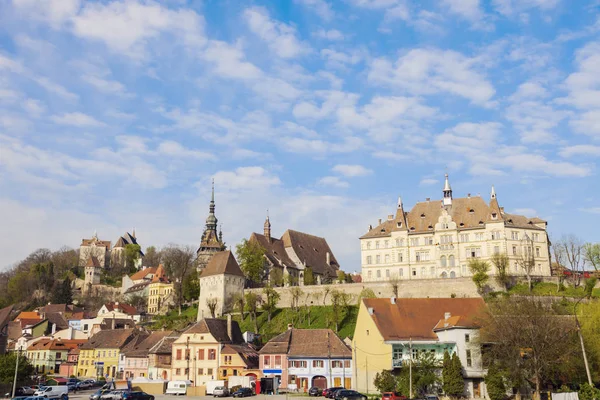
116	115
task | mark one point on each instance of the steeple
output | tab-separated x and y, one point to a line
212	240
211	220
267	228
493	194
447	192
399	202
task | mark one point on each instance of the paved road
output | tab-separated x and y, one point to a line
84	395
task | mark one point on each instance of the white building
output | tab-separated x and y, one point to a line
437	238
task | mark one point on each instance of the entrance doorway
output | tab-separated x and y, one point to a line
320	382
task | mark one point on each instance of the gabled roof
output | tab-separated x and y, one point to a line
274	250
57	344
111	339
29	315
312	251
164	345
58	320
218	329
60	308
126	239
308	343
141	349
5	316
137	287
247	353
143	273
160	275
121	307
416	319
100	243
93	262
222	263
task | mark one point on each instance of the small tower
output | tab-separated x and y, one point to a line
212	241
267	228
447	193
493	194
93	270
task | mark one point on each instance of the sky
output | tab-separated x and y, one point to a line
116	115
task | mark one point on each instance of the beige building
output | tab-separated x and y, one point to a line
117	253
160	293
220	280
94	247
437	238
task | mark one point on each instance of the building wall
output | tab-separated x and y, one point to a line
100	252
159	366
221	287
201	367
160	295
395	255
302	377
108	356
371	354
135	367
275	362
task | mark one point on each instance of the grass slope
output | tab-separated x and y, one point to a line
550	289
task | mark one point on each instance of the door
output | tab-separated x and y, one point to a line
476	389
348	383
337	382
320	382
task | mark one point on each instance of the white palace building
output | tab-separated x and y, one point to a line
437	238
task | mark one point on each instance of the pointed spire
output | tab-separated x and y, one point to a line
133	233
221	233
447	192
493	194
267	228
399	202
95	234
447	184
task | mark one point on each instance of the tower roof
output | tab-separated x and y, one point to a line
222	263
447	186
211	240
160	275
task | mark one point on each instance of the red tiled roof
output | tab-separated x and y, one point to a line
143	273
416	318
125	308
30	315
307	343
160	275
220	263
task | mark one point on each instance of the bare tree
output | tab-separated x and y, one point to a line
501	263
326	291
239	304
394	283
558	252
296	293
526	259
340	301
573	250
253	301
178	262
592	255
212	303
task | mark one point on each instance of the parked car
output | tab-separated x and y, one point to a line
137	396
83	385
113	395
28	390
243	392
393	396
220	391
315	391
98	393
53	392
72	386
349	395
329	392
431	397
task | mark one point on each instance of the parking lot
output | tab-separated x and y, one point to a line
84	395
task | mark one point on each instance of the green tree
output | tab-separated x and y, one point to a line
339	304
132	255
479	269
589	317
494	382
7	368
501	263
270	305
385	381
366	293
239	302
341	276
591	253
276	277
452	379
191	287
251	257
253	301
63	294
309	276
587	392
178	262
152	257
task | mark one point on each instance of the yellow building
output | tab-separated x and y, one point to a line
391	333
160	293
101	354
436	239
238	360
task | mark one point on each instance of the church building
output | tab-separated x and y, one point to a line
436	239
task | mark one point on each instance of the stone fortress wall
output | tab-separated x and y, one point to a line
414	288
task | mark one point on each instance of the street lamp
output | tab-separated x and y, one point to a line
585	361
14	389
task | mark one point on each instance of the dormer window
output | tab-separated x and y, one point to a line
430	227
510	221
412	228
471	211
494	216
314	248
399	224
461	224
480	222
422	215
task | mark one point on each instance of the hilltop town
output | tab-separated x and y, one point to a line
283	309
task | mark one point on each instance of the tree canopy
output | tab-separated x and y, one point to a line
250	256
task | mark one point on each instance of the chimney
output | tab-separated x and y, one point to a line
428	199
393	299
390	217
469	195
112	323
290	327
379	221
328	258
447	316
371	310
229	331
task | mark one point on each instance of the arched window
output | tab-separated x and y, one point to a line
443	261
451	261
444	275
452	274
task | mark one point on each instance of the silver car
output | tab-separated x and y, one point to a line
220	391
113	395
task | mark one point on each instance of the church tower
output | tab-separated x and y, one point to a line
212	241
447	194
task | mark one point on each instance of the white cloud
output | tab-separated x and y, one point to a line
332	181
281	38
53	12
106	85
55	88
321	7
434	71
351	170
530	90
469	10
174	149
329	34
339	59
591	210
127	27
529	212
580	150
229	61
246	178
76	119
535	121
34	107
428	182
516	7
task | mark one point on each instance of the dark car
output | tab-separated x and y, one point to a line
243	392
329	392
315	391
349	395
136	396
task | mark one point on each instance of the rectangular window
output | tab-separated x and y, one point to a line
469	360
387	258
387	273
377	244
400	257
177	371
368	245
537	251
377	259
318	364
212	354
209	371
514	250
397	242
278	361
369	260
297	364
369	274
536	237
178	354
201	354
464	237
514	235
479	236
292	379
428	241
387	244
467	338
401	271
224	372
346	363
336	364
496	249
200	371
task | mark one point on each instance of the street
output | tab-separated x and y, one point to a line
84	395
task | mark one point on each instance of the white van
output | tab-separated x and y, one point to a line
53	392
178	387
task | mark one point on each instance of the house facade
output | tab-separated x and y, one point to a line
119	310
302	358
196	354
392	333
238	360
136	358
160	292
117	253
47	355
159	358
436	239
219	281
